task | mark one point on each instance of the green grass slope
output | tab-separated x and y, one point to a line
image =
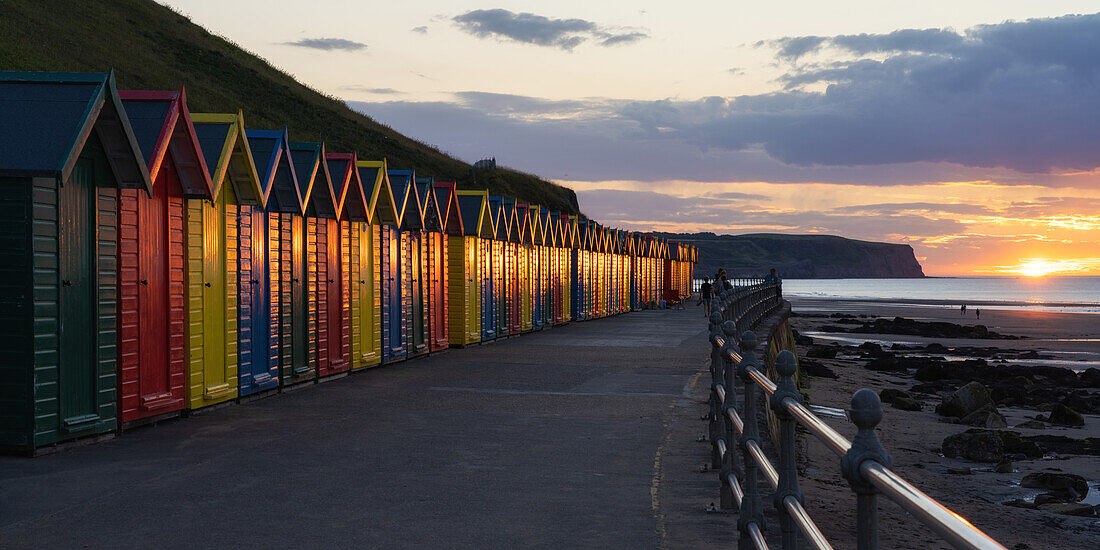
152	47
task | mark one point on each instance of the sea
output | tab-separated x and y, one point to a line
1051	293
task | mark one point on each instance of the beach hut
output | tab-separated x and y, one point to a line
68	149
413	262
366	335
534	255
569	238
576	269
395	273
431	246
493	267
464	276
258	261
339	266
546	274
513	298
523	264
554	250
213	254
294	317
445	201
152	368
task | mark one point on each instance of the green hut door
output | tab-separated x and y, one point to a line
214	297
76	312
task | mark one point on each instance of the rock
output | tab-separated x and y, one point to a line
1062	415
871	347
1070	509
1032	424
960	471
965	400
815	368
1089	446
986	417
976	445
906	404
1090	378
990	446
887	395
822	352
887	363
1048	498
1003	467
1019	503
1068	487
935	347
802	339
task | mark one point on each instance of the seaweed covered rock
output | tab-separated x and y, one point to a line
965	400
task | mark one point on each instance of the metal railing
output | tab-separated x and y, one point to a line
864	462
697	284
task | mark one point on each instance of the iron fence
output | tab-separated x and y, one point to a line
864	462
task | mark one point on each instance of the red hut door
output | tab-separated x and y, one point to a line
335	293
153	292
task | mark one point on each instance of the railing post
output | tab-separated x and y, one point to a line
729	463
752	507
866	413
788	470
714	422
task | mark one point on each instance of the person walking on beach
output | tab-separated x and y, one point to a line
962	310
978	313
706	291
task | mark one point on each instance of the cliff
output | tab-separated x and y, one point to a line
800	256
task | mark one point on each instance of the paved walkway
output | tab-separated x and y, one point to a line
548	440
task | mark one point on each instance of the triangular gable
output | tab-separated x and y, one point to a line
534	218
376	189
46	119
275	168
223	143
474	208
352	203
404	197
433	216
446	201
310	173
496	209
162	127
523	222
511	232
555	228
566	232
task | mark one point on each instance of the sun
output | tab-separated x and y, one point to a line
1036	267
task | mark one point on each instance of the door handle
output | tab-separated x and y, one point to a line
254	282
145	282
66	282
207	285
331	281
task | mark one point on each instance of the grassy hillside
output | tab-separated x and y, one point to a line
152	47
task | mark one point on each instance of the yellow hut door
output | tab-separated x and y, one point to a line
215	297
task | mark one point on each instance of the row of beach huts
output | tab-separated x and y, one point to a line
156	261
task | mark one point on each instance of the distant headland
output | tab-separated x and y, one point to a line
800	256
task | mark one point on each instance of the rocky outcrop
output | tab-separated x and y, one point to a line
800	256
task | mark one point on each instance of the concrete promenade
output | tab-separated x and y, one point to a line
558	439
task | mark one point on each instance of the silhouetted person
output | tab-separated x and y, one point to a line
772	277
978	313
706	290
962	311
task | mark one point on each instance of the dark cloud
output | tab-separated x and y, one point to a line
421	29
734	196
530	28
736	71
329	44
908	207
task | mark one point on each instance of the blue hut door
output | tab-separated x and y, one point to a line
261	307
76	312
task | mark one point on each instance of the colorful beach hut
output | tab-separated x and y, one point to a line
536	269
523	264
151	345
569	240
492	274
464	269
258	261
335	265
415	313
297	361
510	243
213	254
374	272
68	149
445	202
395	276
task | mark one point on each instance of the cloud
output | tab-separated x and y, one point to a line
421	29
530	28
329	44
370	90
736	71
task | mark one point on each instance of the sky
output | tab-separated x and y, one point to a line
969	130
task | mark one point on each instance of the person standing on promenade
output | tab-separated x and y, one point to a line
771	277
706	290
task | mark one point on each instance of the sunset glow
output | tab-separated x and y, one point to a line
1037	267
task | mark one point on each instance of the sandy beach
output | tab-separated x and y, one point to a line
914	438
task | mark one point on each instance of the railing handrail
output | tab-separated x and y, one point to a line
865	463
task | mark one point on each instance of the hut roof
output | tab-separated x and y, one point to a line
221	136
275	168
162	127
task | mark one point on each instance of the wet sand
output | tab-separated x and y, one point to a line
914	438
